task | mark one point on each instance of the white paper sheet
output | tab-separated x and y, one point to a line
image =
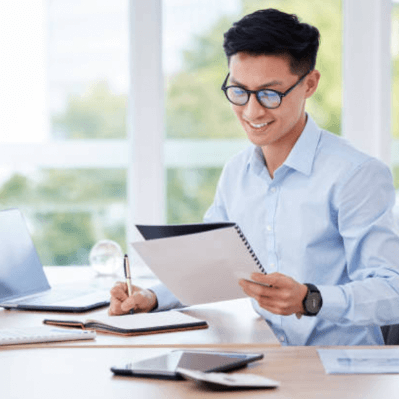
200	268
378	360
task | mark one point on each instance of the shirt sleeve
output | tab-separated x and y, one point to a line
166	300
364	204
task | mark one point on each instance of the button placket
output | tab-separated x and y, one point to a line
271	200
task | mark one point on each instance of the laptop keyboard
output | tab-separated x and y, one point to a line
58	296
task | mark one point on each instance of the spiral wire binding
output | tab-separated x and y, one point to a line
250	250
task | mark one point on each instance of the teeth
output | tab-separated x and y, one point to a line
256	126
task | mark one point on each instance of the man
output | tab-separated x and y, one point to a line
317	212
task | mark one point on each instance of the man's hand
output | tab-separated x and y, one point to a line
284	295
141	300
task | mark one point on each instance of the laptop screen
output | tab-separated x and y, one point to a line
21	272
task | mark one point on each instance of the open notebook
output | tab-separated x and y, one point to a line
134	324
23	283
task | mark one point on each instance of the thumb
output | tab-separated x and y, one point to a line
270	279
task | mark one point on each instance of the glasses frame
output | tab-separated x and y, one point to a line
256	92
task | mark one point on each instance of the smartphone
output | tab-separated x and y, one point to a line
166	366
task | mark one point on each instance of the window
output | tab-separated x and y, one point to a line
395	93
63	100
65	151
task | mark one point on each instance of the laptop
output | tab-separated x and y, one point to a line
23	283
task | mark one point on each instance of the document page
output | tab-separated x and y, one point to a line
200	268
360	361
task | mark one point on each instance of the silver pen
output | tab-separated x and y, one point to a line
126	267
128	278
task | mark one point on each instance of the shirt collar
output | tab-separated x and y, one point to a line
302	154
257	161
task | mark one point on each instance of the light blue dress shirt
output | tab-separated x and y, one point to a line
325	218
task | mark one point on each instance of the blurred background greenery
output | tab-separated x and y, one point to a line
70	210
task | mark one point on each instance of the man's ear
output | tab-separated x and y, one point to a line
312	82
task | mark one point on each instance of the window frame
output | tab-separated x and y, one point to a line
146	153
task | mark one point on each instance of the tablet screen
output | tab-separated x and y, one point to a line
165	366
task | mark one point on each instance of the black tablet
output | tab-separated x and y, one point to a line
166	366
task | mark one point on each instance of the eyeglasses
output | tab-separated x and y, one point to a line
266	97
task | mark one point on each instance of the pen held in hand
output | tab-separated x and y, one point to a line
126	268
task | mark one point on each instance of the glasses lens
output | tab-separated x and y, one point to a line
269	98
237	95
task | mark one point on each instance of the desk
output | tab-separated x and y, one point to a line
231	323
65	373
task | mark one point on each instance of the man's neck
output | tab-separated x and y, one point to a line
276	153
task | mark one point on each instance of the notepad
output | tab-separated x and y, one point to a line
136	324
32	335
199	263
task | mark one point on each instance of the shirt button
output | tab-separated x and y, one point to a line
272	265
269	228
273	189
282	339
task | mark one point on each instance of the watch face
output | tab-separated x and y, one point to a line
312	303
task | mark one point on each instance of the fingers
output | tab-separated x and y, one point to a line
119	291
272	279
115	307
141	300
282	294
118	295
256	290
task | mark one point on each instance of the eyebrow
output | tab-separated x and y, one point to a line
272	83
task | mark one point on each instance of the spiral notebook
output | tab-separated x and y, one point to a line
199	263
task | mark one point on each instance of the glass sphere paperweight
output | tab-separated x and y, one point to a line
106	258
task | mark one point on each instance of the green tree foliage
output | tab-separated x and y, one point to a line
395	83
15	189
70	209
82	185
98	113
190	192
195	106
395	71
65	238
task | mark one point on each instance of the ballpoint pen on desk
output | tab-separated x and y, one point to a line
126	268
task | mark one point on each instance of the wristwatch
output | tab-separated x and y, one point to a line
313	301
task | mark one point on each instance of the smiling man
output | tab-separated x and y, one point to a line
317	212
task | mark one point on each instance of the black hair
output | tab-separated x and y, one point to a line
273	32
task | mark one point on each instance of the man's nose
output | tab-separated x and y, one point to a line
253	109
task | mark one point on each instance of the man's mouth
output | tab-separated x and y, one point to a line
258	125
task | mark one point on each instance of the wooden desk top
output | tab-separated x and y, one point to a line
231	323
65	373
